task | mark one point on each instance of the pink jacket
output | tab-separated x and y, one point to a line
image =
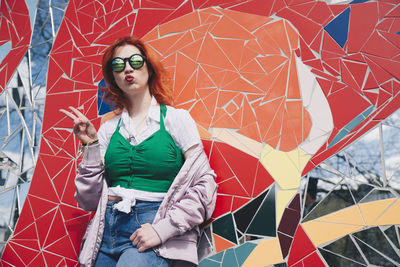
189	202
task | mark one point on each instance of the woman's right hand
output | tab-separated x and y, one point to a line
84	130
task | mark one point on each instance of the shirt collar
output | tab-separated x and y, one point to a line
154	110
153	113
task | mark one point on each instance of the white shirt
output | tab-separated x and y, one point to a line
178	123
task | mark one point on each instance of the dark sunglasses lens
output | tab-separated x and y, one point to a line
136	61
118	64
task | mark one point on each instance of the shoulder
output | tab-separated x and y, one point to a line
109	122
178	114
182	128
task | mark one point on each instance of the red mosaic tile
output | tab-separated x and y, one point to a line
346	98
306	53
383	9
307	27
43	225
12	259
395	28
388	87
313	260
38	260
64	245
182	10
45	189
301	247
54	231
393	38
396	87
26	254
320	13
357	70
330	45
147	19
383	97
373	97
337	9
52	259
324	75
380	75
258	7
235	158
28	233
359	28
69	192
218	163
317	41
394	13
303	9
232	187
348	78
390	66
75	229
222	206
59	179
380	47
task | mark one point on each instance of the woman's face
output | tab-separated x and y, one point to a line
131	81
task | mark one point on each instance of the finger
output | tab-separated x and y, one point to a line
133	236
68	114
79	114
136	241
143	248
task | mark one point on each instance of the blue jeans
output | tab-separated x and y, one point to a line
116	249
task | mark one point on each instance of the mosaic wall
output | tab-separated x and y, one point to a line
295	100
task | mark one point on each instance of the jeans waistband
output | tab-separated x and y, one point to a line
140	205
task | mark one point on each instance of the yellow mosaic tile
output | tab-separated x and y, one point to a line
323	232
258	257
284	167
282	199
373	210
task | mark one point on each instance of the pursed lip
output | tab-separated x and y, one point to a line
129	78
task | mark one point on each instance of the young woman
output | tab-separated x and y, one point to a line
155	186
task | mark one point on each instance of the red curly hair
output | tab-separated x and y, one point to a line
158	78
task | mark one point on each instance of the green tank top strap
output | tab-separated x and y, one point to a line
119	123
163	112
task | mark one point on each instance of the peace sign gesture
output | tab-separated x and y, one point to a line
83	128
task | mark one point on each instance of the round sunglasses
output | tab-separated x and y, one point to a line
136	61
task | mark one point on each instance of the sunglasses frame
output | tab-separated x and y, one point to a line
130	62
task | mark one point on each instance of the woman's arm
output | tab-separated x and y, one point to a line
89	181
195	206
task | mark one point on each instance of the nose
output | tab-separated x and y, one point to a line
128	67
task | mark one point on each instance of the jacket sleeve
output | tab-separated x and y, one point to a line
89	181
193	208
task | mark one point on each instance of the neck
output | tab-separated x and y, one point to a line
139	104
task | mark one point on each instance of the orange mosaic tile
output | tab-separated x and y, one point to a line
227	28
293	89
232	48
221	243
275	30
185	23
270	63
248	22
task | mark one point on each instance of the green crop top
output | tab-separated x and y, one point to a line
149	166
